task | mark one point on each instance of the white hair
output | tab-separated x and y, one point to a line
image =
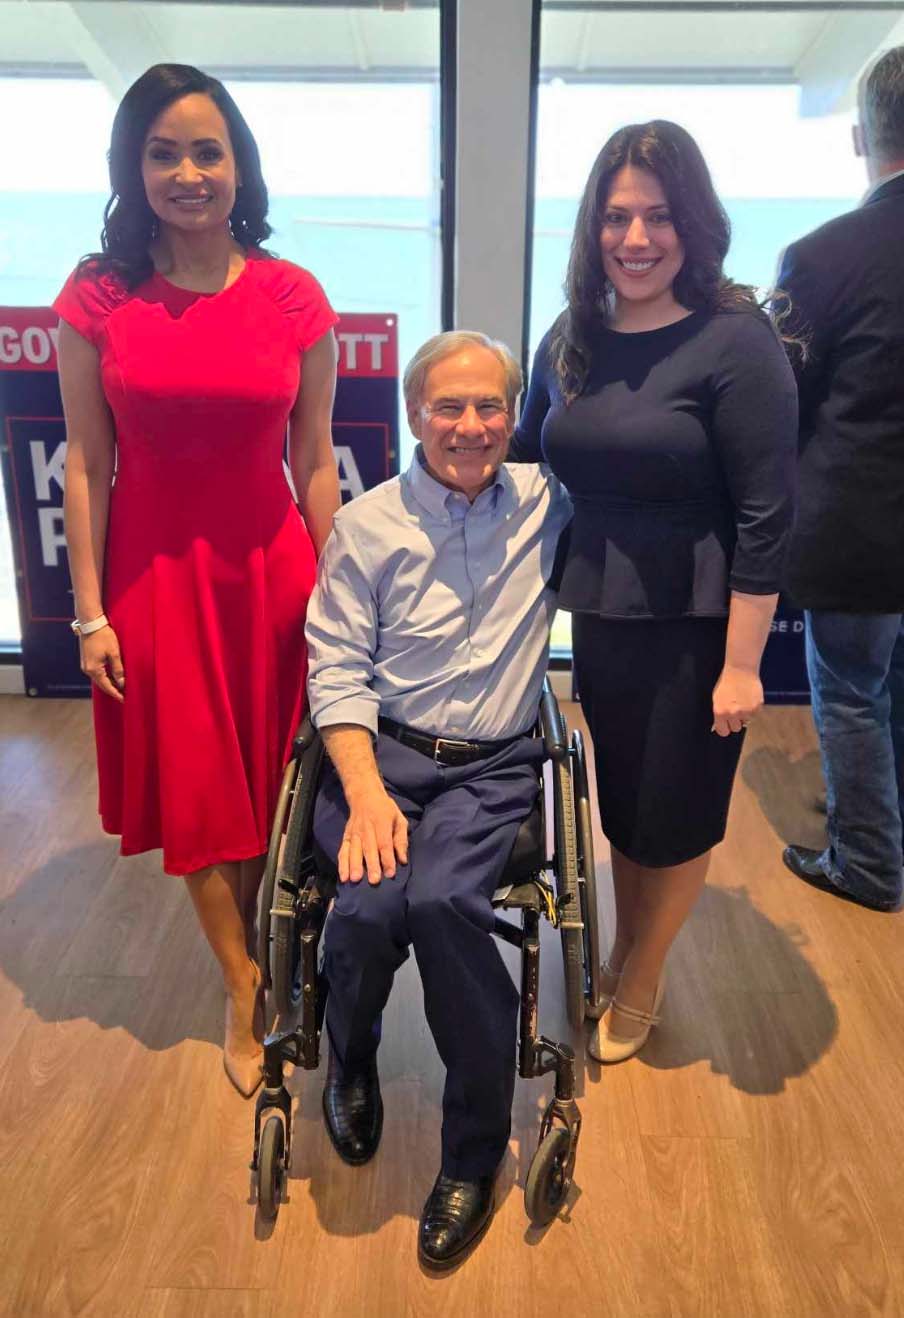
444	345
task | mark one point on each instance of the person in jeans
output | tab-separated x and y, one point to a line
846	569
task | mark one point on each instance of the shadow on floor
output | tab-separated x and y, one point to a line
89	936
787	790
742	996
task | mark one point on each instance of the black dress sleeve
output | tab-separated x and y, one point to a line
754	429
525	445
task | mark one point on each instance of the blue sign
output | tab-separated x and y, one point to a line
365	434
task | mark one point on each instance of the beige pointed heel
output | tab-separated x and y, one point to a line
608	987
607	1046
244	1069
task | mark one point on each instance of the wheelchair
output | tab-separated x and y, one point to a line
297	888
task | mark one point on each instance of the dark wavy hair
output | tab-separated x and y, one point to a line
129	221
672	155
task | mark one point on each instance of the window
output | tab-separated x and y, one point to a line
768	93
344	103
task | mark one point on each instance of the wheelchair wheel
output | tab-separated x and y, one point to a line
285	953
291	875
270	1167
587	879
567	885
268	881
284	939
549	1177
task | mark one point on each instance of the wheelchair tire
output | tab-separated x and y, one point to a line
567	886
268	882
270	1167
587	879
284	954
548	1178
285	938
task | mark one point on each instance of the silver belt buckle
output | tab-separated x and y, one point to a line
452	743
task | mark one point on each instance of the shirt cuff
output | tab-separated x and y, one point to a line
363	711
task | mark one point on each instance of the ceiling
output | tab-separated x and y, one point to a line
641	41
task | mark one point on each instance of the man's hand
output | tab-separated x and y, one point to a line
375	836
377	832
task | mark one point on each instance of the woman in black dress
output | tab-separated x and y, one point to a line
663	399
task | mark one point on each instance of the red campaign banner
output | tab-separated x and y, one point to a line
33	454
368	344
28	338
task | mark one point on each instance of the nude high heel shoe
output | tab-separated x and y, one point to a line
607	1046
608	987
244	1069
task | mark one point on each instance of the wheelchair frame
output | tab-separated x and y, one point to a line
295	898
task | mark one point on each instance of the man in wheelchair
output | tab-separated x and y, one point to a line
428	636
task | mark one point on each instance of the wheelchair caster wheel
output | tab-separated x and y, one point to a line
549	1177
270	1168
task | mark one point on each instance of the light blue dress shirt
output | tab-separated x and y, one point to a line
434	611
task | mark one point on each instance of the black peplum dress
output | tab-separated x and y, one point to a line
680	460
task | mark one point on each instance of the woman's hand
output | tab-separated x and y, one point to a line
737	696
102	662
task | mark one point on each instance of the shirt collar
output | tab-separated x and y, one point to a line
436	498
880	183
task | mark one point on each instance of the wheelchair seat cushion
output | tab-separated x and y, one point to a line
519	897
529	851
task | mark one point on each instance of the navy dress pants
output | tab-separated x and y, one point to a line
462	825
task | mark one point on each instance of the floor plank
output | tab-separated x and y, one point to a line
748	1164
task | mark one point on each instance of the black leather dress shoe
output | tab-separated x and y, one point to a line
804	862
455	1217
353	1111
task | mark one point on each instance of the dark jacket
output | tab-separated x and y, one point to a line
846	284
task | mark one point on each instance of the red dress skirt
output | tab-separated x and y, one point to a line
209	565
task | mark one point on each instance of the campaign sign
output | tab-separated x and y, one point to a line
784	670
784	667
33	446
366	411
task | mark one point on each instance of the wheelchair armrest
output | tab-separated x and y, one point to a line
552	725
305	737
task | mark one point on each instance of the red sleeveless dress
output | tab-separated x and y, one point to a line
209	565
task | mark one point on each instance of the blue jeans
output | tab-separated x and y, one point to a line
855	663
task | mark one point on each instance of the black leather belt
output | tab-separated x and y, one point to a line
447	751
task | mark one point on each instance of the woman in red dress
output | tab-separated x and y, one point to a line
185	352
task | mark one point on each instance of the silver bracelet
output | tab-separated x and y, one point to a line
86	628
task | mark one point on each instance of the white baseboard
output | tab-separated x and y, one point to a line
12	681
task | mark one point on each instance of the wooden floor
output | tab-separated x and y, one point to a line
749	1164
